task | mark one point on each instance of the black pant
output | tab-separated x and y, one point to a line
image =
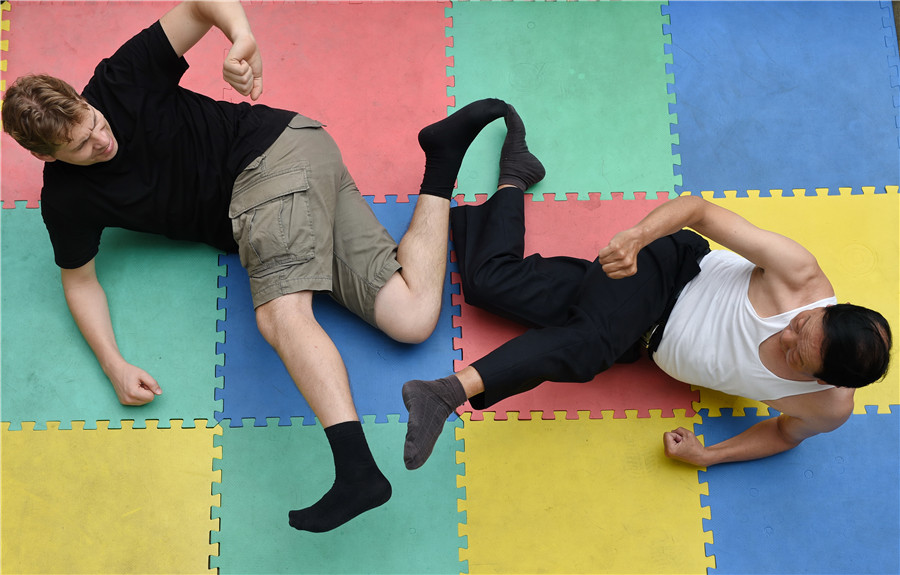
581	320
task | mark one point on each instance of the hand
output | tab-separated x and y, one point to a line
243	67
619	257
133	385
683	445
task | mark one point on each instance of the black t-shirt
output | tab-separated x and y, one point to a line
179	154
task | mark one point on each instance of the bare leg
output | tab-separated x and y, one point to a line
318	371
309	355
408	306
430	403
471	381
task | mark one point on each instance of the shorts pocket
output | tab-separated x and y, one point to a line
270	217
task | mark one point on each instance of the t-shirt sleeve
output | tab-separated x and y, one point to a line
75	241
145	64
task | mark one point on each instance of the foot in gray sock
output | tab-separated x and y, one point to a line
518	166
430	403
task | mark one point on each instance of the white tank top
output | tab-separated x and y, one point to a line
713	335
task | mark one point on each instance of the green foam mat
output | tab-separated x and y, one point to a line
267	471
599	123
162	296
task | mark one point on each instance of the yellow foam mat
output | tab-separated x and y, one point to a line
855	238
580	496
108	500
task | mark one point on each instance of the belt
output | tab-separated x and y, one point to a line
651	338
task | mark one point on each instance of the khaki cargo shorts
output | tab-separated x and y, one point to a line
301	224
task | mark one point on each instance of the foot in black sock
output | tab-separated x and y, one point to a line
358	485
445	143
518	166
430	403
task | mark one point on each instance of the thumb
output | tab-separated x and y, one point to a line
257	89
148	382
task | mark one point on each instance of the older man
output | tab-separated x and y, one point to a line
759	320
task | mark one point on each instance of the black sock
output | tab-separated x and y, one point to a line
358	484
518	166
430	403
445	143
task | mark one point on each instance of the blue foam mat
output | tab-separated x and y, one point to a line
257	385
830	505
784	95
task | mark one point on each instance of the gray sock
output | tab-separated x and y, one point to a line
430	403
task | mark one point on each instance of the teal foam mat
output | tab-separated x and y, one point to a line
588	78
162	296
267	471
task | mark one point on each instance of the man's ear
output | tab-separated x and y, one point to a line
43	157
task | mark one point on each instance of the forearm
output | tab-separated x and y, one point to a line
186	23
762	440
229	17
89	308
619	257
670	217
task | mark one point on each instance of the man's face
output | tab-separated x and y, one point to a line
802	341
92	142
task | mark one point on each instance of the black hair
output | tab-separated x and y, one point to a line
857	346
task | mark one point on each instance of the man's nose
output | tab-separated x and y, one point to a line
101	141
789	336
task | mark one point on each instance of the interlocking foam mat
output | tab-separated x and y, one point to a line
581	496
162	296
574	228
598	93
786	95
108	500
256	384
415	532
784	112
353	89
824	500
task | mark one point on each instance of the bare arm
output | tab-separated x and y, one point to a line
784	261
188	22
768	437
90	309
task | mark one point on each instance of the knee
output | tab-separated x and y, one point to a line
481	287
590	349
267	323
409	329
281	317
403	317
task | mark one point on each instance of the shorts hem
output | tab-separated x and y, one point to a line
287	287
379	281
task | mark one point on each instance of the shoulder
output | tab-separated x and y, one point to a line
145	57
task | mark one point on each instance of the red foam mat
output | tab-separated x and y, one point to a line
575	228
375	73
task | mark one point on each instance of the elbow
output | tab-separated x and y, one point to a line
78	278
788	437
696	208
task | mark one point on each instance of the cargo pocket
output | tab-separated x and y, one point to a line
270	217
